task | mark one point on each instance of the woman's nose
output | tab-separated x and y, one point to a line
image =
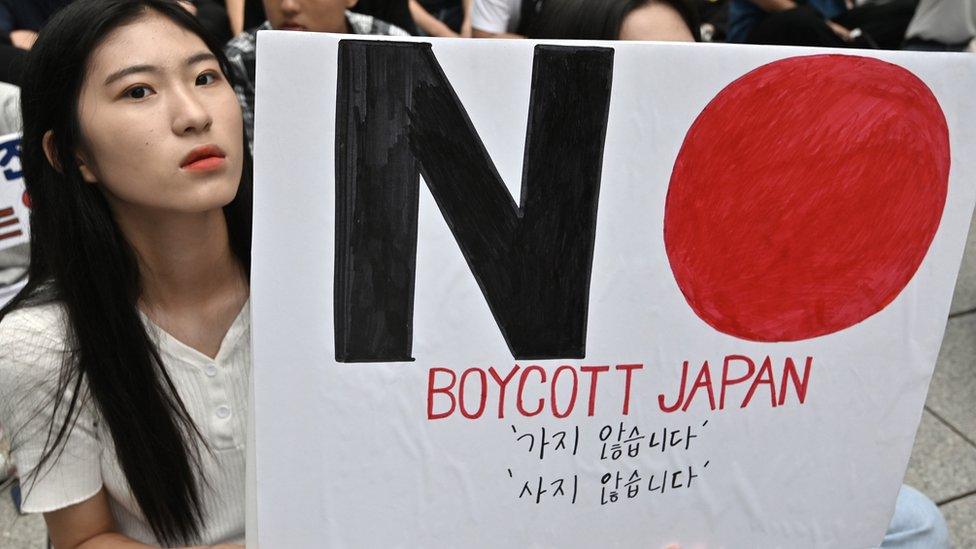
190	114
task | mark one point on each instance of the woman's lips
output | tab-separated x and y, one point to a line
203	158
205	164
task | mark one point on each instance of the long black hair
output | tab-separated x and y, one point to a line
81	260
591	19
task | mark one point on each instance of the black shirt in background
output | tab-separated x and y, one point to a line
434	6
27	14
253	14
395	12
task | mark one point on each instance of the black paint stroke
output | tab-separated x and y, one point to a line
398	117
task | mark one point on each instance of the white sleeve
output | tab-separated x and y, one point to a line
30	362
495	16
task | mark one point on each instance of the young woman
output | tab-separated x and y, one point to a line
124	362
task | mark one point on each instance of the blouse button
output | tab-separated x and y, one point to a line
211	370
223	412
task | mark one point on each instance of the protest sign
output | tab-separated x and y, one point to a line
13	204
512	294
14	219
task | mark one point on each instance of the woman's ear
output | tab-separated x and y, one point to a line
47	143
51	152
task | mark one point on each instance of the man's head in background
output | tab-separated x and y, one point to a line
309	15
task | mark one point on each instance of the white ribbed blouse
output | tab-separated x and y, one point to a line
214	391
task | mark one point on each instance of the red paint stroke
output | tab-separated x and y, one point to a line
7	219
25	198
806	195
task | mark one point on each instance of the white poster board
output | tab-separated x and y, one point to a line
775	236
14	218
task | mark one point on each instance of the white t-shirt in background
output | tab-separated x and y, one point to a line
946	21
496	16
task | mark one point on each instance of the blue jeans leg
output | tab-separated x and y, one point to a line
916	524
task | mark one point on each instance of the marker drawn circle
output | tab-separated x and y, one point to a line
805	196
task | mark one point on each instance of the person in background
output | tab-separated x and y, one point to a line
662	20
394	12
20	20
498	18
942	25
12	61
294	15
125	360
9	109
15	259
444	18
585	19
212	15
244	14
827	23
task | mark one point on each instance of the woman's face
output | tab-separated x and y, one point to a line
308	15
161	126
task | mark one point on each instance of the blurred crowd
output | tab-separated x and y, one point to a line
930	25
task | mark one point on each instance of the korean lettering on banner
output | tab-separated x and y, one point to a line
14	211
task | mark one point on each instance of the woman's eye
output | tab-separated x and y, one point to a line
138	92
206	79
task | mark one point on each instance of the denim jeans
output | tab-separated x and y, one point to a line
916	524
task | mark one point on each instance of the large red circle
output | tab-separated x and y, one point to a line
806	195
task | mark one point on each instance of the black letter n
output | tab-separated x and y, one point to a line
397	117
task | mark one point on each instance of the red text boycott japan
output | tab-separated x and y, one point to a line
468	394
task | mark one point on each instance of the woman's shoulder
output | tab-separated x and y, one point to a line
29	335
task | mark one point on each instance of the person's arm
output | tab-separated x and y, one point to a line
428	23
235	12
89	525
188	6
773	6
9	26
23	38
840	30
478	33
466	31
